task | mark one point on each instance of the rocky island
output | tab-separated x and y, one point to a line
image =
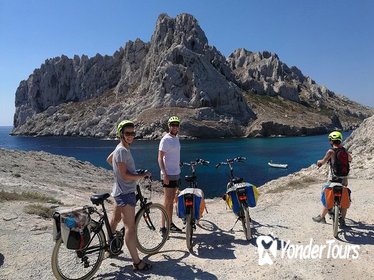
177	72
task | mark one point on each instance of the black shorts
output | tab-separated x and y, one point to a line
172	184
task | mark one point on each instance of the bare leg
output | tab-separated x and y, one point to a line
116	218
324	212
128	218
169	196
344	212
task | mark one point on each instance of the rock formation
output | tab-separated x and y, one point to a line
361	145
178	72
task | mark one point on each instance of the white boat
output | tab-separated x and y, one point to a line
278	165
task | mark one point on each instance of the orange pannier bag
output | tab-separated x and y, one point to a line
328	197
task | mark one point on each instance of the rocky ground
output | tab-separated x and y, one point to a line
283	216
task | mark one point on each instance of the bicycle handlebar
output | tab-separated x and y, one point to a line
231	161
198	161
142	171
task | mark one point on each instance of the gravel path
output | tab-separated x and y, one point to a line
281	217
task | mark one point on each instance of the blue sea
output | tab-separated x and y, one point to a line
297	152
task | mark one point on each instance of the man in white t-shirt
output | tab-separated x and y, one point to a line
169	162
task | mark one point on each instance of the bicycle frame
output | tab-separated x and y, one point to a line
189	197
96	229
240	192
236	197
187	200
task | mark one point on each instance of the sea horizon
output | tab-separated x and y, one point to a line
298	152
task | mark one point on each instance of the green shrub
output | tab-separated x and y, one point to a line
40	210
27	196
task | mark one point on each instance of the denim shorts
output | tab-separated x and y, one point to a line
126	199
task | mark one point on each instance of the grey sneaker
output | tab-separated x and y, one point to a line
174	228
319	219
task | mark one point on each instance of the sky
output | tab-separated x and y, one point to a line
331	41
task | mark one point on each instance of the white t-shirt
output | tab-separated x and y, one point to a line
171	147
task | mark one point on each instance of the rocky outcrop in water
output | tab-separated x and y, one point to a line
178	72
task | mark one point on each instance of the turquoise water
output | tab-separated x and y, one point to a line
297	152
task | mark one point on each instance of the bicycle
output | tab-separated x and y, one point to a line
335	212
82	262
191	201
238	196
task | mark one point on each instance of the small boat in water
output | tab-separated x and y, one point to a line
278	165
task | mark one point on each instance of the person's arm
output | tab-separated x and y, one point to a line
126	175
325	158
161	155
109	159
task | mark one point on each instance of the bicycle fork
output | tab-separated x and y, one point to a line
146	217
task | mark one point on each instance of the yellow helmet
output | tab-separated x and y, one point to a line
336	136
174	119
122	124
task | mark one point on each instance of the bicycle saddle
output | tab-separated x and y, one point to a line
99	198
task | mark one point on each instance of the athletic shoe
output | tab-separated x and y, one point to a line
174	228
319	219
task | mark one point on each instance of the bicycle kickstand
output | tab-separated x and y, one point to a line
232	229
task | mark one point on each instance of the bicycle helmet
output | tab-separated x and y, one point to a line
174	119
336	136
122	124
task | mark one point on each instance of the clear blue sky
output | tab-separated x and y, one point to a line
332	41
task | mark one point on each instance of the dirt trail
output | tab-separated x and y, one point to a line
26	241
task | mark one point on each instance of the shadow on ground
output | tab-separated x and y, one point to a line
172	267
357	232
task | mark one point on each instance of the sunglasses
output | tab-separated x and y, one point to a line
127	133
174	124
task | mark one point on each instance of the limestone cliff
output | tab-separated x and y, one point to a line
178	72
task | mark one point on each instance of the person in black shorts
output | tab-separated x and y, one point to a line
169	162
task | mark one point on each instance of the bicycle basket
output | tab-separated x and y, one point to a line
73	225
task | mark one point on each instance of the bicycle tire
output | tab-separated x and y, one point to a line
189	231
246	222
335	222
149	239
67	265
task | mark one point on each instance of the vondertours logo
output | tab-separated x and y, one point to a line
270	248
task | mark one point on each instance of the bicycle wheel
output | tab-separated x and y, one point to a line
246	222
149	239
335	222
189	231
74	265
